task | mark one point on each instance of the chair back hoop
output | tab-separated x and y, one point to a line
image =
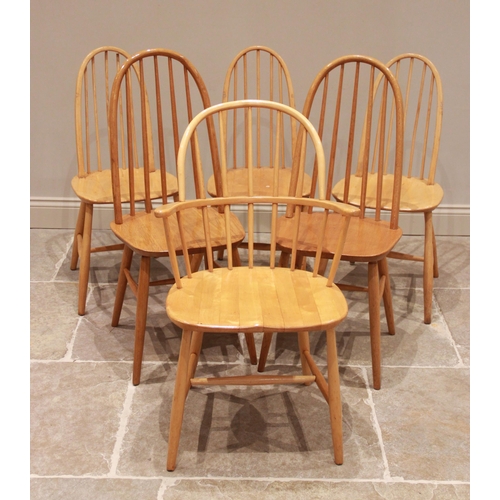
430	105
259	72
221	109
171	91
92	107
422	93
353	95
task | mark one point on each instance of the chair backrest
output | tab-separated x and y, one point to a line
422	93
309	136
353	123
93	89
158	107
259	72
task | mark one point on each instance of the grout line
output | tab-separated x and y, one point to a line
437	308
376	427
59	263
122	430
239	363
170	481
69	351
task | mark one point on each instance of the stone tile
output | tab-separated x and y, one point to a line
105	266
453	262
75	415
53	318
96	339
455	307
298	490
280	432
86	488
424	420
48	248
266	442
414	344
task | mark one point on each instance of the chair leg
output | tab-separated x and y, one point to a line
122	285
252	351
78	232
236	257
83	274
383	269
435	255
374	311
141	316
264	350
334	399
284	260
428	267
322	266
179	400
194	356
304	345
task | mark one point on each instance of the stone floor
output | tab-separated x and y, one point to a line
95	435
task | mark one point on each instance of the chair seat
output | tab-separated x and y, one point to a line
416	194
367	240
96	186
144	233
237	182
255	300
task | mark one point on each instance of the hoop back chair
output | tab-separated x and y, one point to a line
259	72
92	184
423	112
166	96
342	102
259	296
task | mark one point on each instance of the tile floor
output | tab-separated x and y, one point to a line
95	435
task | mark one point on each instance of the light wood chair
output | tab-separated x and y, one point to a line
423	112
257	297
339	99
92	184
158	106
259	72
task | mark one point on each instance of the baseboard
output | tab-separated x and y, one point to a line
61	213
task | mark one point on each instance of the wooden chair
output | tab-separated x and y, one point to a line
339	99
423	112
255	297
259	72
158	106
93	182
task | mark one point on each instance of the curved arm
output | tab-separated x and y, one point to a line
335	206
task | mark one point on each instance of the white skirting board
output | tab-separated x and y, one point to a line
59	213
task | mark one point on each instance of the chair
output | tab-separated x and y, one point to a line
93	182
158	105
341	100
259	72
423	111
259	296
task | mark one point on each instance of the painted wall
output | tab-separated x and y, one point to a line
307	34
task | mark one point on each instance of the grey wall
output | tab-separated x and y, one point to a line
307	34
